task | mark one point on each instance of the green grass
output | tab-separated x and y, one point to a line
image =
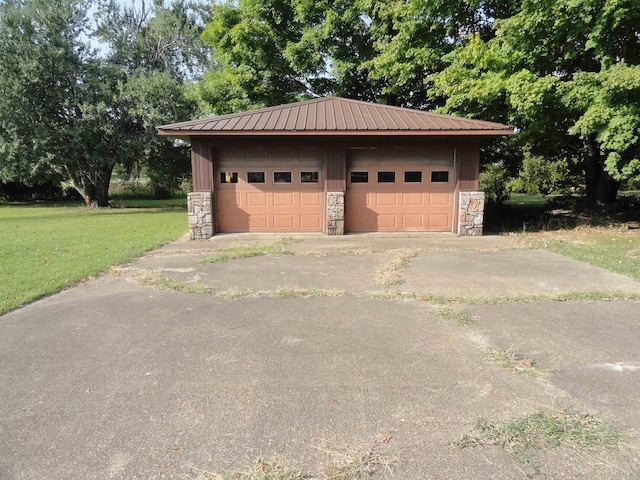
613	249
47	247
544	430
525	199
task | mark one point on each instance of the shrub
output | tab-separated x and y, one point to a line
493	181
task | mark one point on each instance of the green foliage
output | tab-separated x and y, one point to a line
70	113
58	118
572	92
250	40
539	176
493	182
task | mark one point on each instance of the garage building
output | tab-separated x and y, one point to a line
335	165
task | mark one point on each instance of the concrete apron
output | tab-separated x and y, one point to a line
442	265
117	379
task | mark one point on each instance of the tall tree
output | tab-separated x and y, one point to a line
250	39
159	49
411	37
276	51
568	73
47	98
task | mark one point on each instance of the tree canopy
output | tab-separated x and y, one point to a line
70	112
565	72
568	74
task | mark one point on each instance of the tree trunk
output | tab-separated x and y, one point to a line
607	189
592	171
93	186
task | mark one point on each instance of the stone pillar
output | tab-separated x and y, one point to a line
200	210
335	213
471	214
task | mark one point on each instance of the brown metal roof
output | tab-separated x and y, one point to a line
335	116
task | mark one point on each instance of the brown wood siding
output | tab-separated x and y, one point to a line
335	173
468	159
202	165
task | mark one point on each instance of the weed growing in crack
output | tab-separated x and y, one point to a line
152	279
246	251
164	283
269	469
361	464
512	360
389	275
357	464
544	430
462	317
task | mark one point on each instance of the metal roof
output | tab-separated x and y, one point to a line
335	116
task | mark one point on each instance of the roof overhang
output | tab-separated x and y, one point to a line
326	133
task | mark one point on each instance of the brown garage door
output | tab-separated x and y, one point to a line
400	190
269	190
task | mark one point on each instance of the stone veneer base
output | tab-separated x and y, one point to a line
471	214
335	213
200	211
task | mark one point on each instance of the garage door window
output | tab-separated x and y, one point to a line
281	177
359	177
228	177
255	177
386	177
412	177
308	177
439	177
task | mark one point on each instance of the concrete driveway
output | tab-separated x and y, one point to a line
365	346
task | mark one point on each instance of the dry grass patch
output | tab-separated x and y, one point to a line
270	469
247	251
304	292
359	464
462	317
327	253
152	279
389	275
238	293
512	360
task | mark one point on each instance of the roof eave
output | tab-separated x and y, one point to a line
336	133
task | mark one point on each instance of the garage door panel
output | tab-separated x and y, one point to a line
412	222
283	199
386	199
310	222
387	222
283	221
256	199
415	201
439	221
441	199
257	222
287	206
311	199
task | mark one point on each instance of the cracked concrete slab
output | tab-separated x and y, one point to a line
112	379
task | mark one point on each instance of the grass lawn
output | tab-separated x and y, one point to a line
611	248
47	247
